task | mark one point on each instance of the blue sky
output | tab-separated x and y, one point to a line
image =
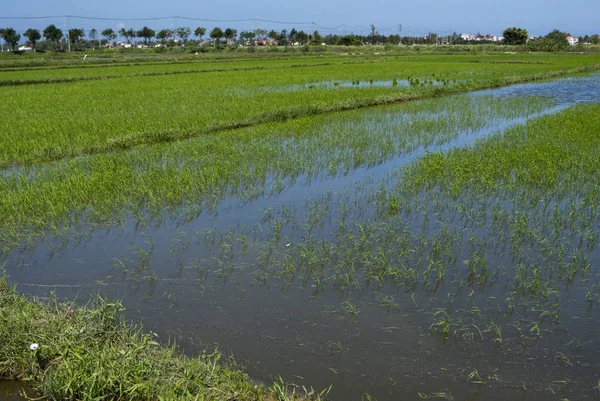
578	17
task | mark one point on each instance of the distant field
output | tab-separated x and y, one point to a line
65	119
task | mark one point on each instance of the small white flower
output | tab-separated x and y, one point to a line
33	346
289	244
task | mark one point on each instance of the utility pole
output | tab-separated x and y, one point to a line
344	30
400	32
68	35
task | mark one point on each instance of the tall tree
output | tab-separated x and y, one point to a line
76	35
260	33
558	38
199	32
292	35
93	34
33	35
515	36
216	34
230	34
247	36
282	39
164	35
302	37
53	34
109	34
183	33
146	33
127	34
432	38
11	37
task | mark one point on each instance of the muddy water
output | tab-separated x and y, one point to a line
301	332
11	391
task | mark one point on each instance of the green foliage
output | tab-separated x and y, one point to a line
553	42
199	32
109	34
515	36
183	33
33	35
216	34
53	34
11	37
128	34
76	35
164	35
145	33
349	40
558	39
230	34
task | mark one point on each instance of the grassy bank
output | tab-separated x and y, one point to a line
90	352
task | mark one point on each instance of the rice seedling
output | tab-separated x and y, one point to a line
119	114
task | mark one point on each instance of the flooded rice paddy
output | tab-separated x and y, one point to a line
334	266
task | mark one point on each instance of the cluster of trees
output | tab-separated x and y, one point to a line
553	41
55	37
11	37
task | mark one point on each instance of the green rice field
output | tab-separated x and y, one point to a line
337	226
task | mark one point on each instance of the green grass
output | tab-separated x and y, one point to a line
89	352
553	154
88	117
491	247
197	174
495	245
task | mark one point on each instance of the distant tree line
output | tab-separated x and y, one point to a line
56	39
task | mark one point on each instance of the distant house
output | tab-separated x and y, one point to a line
24	48
572	40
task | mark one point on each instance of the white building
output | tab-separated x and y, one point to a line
572	40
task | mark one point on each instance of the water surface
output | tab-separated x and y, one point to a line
198	285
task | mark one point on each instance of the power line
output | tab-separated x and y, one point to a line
342	27
410	31
155	19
